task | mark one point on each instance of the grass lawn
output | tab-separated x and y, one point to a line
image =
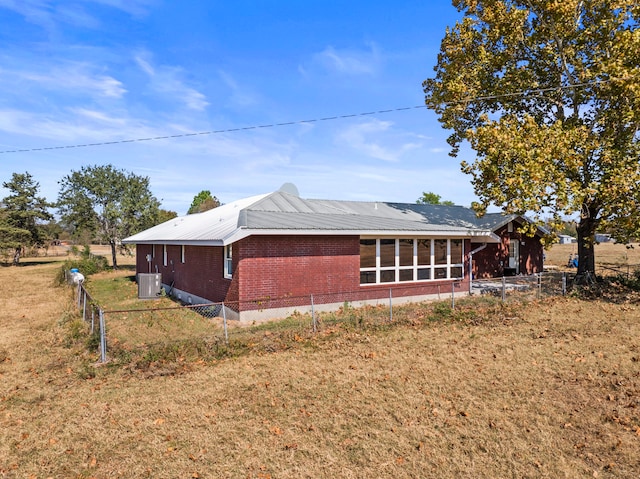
546	389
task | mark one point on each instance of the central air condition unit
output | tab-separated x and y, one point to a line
149	285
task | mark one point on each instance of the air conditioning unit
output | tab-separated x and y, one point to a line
149	285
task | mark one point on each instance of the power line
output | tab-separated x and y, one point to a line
212	132
300	122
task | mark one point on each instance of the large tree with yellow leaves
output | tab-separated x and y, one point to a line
547	93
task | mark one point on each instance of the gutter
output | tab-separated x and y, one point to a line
471	253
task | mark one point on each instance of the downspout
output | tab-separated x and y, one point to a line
471	253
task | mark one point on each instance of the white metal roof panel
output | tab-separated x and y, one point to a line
211	226
284	213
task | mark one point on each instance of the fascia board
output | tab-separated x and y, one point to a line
486	238
241	233
484	235
179	242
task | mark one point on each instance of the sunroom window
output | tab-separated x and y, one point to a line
398	260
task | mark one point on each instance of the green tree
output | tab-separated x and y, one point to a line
111	204
166	215
203	201
11	239
429	198
23	214
547	93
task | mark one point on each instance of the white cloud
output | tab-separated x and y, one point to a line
377	139
76	125
346	61
145	66
168	82
49	13
239	96
76	16
132	7
437	150
100	117
194	99
71	78
349	62
37	12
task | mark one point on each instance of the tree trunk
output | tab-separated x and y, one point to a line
586	230
16	255
113	254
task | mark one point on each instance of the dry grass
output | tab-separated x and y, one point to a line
551	390
607	255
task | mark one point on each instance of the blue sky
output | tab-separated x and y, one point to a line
87	71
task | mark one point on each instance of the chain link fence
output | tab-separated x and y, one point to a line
211	329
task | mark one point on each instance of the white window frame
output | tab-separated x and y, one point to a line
432	267
228	261
164	254
182	256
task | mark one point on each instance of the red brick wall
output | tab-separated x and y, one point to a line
201	274
142	250
491	261
281	266
276	266
531	255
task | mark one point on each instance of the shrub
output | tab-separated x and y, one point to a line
86	264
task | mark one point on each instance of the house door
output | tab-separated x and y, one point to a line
514	255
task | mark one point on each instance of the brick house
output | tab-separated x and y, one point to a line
268	255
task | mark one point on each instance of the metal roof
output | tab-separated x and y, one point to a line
282	213
211	227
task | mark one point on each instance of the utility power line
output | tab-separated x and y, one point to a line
300	122
212	132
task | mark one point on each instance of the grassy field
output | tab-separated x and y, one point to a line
545	389
607	255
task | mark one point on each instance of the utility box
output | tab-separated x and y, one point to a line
149	285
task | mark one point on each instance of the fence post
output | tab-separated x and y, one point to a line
224	323
103	337
313	317
390	306
504	288
453	295
93	321
564	283
84	307
539	285
79	290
